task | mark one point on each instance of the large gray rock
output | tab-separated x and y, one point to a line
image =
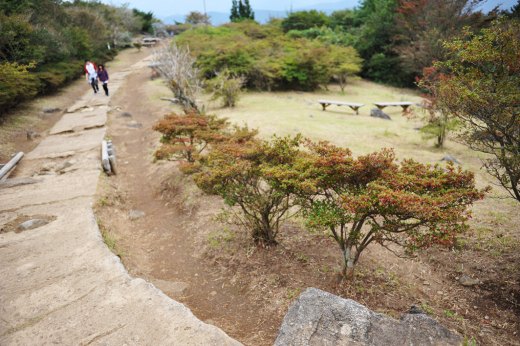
321	318
377	113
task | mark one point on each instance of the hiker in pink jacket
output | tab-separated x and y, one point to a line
103	77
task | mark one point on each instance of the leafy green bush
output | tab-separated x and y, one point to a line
226	87
302	20
16	84
263	55
52	76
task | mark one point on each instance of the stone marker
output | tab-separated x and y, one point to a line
321	318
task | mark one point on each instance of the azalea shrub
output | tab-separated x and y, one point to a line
185	136
403	206
235	170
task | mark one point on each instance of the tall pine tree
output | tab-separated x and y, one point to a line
248	11
241	10
234	17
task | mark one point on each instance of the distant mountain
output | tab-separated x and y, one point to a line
331	7
263	16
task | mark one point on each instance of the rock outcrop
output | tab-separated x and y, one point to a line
321	318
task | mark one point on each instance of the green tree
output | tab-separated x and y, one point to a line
227	87
482	89
344	62
241	10
195	18
343	19
302	20
235	15
147	19
375	42
17	40
247	11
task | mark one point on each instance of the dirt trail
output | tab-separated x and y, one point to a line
161	246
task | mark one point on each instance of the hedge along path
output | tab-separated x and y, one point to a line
60	283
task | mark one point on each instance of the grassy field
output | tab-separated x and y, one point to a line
284	113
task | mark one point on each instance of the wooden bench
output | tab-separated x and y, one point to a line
404	105
355	106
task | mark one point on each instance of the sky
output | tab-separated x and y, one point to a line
163	8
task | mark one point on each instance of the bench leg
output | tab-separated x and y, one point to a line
380	107
355	109
405	109
324	105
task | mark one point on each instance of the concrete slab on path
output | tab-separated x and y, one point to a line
53	146
89	100
60	284
81	120
51	189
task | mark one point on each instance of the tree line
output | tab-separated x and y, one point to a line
267	58
395	39
44	43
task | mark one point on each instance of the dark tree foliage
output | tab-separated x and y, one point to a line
514	11
302	20
241	10
344	19
375	42
234	16
423	25
147	20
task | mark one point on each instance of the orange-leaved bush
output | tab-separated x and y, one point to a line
372	198
234	170
185	136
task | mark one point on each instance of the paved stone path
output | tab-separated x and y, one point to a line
59	283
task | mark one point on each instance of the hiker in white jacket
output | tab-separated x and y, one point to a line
91	75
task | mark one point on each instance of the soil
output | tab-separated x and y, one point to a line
178	244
